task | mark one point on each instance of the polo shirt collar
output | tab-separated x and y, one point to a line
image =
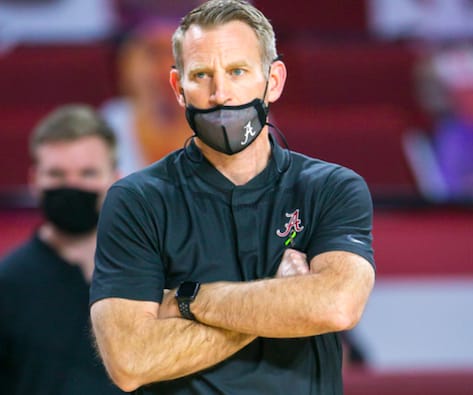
277	165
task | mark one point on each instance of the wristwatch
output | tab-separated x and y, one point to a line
185	295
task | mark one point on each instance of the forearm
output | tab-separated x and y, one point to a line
182	347
267	308
148	349
330	298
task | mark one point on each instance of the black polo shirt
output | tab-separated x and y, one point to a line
45	342
181	219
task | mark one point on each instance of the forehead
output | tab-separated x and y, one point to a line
84	151
229	42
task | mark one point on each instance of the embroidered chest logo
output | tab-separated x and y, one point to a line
249	131
292	227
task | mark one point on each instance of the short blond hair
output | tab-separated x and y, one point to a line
218	12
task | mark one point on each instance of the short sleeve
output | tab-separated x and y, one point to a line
345	216
128	263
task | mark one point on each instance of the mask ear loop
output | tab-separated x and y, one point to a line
288	155
188	155
278	131
279	57
188	140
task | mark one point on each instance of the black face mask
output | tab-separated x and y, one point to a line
71	210
228	129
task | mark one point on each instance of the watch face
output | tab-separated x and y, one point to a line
188	289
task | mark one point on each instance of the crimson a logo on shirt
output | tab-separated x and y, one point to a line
292	227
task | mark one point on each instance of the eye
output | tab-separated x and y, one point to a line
237	72
200	75
90	173
56	174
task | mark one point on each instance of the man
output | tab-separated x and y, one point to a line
270	251
45	342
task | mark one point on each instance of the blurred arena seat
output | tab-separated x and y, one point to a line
348	72
16	225
16	123
363	382
367	139
55	74
428	242
322	17
35	79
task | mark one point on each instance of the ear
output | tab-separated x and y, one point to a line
277	79
175	81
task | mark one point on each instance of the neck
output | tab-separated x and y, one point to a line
75	250
240	168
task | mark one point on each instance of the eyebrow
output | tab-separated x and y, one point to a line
230	66
241	63
198	69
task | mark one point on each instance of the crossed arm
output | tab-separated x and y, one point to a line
144	342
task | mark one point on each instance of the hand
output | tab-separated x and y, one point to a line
293	263
168	307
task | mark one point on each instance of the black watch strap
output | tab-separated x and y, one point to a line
185	309
185	295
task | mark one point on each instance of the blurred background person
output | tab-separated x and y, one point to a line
45	343
148	122
442	157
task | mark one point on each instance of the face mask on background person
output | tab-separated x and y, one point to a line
71	210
